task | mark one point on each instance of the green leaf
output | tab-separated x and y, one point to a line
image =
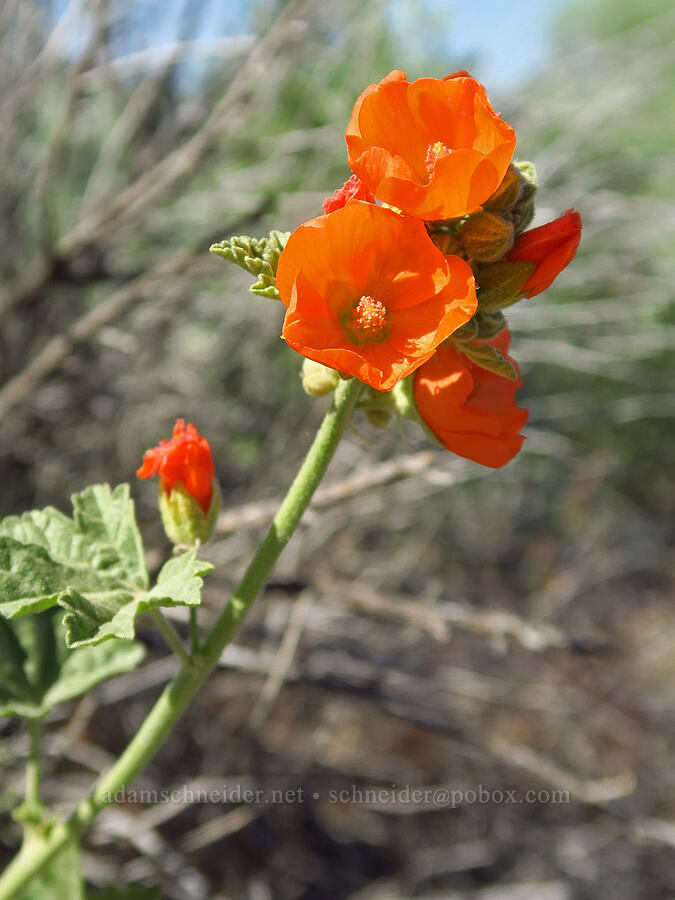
88	666
488	357
37	670
59	879
12	662
258	257
96	617
30	580
102	533
43	552
108	520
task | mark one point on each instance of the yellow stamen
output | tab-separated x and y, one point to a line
369	319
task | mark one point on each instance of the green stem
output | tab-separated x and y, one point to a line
34	764
178	693
194	631
170	635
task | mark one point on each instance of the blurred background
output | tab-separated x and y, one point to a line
433	622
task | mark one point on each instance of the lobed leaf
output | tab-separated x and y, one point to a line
43	552
38	671
93	618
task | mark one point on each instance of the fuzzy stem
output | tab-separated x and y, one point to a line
170	635
194	632
34	763
181	689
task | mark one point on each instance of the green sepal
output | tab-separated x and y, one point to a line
90	620
523	210
258	256
501	284
529	182
404	399
184	520
486	236
489	325
488	357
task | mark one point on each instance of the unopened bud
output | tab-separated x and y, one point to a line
317	379
486	236
501	284
507	193
523	209
184	520
446	241
378	418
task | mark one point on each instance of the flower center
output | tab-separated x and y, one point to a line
369	320
434	153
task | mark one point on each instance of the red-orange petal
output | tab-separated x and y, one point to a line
550	247
366	251
470	410
185	459
396	124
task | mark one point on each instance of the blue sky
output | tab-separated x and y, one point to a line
502	41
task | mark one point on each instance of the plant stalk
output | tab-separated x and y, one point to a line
181	689
34	763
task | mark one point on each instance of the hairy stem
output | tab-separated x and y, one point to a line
178	693
194	631
34	763
170	635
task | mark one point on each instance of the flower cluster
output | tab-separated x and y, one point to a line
403	280
406	274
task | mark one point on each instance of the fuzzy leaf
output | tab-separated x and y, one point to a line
38	680
30	580
258	257
44	552
94	618
488	357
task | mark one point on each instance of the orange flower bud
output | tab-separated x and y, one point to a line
550	247
471	411
433	148
188	491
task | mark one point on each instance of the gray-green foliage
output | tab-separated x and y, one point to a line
37	670
92	565
94	617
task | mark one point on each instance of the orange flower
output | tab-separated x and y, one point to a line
470	410
369	294
433	148
185	459
352	189
550	247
